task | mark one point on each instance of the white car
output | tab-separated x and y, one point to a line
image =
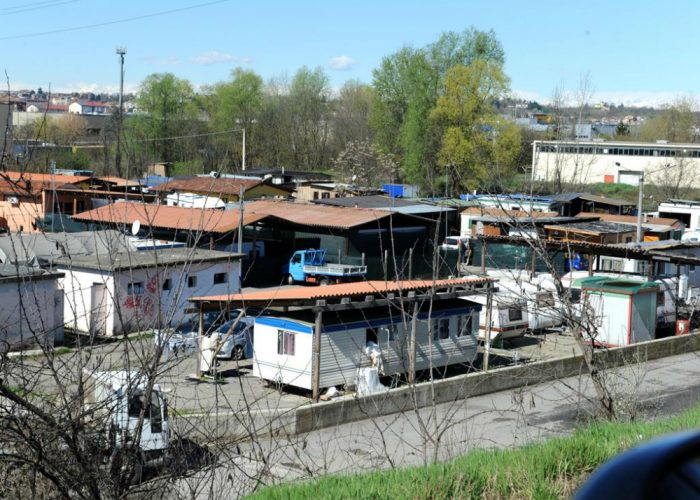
455	243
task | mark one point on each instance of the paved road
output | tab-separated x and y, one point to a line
505	419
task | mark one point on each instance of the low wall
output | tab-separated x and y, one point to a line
328	414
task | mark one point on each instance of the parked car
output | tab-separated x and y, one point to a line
183	339
455	243
238	345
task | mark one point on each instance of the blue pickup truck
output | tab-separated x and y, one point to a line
310	266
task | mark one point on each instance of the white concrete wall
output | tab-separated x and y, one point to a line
77	288
29	313
592	168
152	308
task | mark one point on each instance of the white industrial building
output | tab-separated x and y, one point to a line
139	290
31	307
587	162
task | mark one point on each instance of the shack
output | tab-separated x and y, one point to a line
618	311
322	342
31	307
140	290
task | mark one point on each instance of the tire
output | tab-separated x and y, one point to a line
323	282
126	467
237	354
290	280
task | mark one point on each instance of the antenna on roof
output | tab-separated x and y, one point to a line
135	227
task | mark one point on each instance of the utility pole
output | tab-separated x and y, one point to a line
121	51
639	207
243	162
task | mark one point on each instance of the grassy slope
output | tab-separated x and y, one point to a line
551	469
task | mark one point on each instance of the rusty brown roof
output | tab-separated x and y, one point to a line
208	185
164	217
356	289
309	214
632	219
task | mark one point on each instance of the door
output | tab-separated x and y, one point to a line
98	309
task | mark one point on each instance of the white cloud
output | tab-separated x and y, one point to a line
216	57
341	63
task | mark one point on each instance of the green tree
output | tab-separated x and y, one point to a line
168	102
675	124
309	104
477	146
351	114
236	104
407	85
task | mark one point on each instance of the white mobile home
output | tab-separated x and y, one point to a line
31	307
283	343
139	290
619	311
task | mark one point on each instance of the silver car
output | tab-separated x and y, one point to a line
239	344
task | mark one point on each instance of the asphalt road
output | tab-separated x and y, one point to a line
505	419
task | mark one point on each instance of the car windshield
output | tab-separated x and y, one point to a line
242	324
451	241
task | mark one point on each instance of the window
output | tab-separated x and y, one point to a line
515	314
191	281
135	288
167	284
285	343
315	195
220	278
464	325
441	329
660	299
371	336
325	195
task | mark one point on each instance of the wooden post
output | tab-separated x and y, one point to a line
650	270
200	336
316	352
241	195
412	344
533	262
75	205
487	340
363	258
410	263
678	289
386	264
483	256
339	255
590	264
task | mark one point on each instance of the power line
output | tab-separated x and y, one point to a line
8	11
116	21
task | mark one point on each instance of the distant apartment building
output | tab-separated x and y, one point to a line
587	162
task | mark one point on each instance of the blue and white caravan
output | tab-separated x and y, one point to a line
446	335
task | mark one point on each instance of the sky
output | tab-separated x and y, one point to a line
637	52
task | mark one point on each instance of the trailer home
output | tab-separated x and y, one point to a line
323	341
283	344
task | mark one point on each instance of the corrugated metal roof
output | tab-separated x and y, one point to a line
357	289
209	185
651	223
145	258
164	217
593	227
309	214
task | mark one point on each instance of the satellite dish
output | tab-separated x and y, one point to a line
135	227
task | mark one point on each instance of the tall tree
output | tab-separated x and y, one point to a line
168	102
309	96
407	85
351	114
476	145
236	104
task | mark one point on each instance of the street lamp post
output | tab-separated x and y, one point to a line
639	207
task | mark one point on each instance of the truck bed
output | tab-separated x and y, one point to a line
340	270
